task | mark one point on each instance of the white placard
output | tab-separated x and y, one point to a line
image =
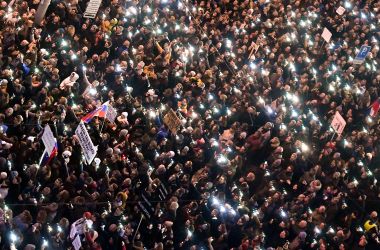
92	8
41	11
340	10
48	139
111	114
338	123
326	34
89	150
77	243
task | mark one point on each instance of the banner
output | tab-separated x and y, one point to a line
162	192
172	121
48	139
338	123
145	206
326	34
92	8
111	114
89	150
363	52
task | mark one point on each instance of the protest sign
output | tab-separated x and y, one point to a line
362	54
338	123
172	121
48	139
92	8
340	10
326	34
77	244
145	205
41	11
162	191
89	150
111	114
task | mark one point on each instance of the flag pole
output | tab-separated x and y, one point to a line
323	43
42	157
137	230
332	136
105	117
104	121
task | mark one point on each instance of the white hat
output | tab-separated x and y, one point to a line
123	132
66	153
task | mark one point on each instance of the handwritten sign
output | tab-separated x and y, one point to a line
338	123
172	121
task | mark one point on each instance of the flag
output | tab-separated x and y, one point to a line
103	110
375	108
46	158
99	111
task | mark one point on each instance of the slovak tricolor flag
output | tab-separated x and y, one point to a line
99	111
46	158
375	108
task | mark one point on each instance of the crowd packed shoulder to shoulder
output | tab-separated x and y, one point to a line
255	163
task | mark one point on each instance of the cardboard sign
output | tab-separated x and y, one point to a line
326	34
92	8
363	52
340	10
172	121
89	150
338	123
111	114
48	139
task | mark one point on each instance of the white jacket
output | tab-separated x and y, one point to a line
69	81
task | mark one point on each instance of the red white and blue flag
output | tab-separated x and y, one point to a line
46	158
100	111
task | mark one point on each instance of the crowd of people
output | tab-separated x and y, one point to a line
255	162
